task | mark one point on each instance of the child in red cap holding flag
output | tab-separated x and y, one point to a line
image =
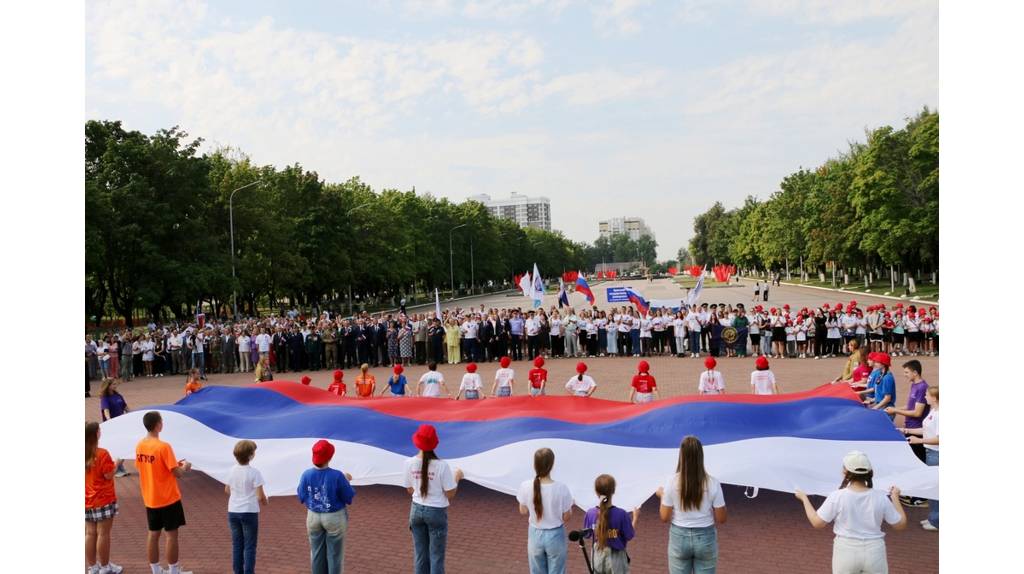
762	380
503	379
327	493
644	387
538	376
711	381
396	383
337	386
471	384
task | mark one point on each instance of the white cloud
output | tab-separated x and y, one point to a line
842	12
619	15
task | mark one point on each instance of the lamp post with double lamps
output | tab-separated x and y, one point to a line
451	257
231	224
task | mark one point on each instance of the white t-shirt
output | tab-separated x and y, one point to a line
762	382
504	377
243	481
440	476
930	427
702	517
580	388
679	327
471	382
263	342
532	327
858	515
555	499
711	383
243	344
556	327
431	385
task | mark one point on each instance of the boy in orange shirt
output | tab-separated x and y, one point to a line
158	478
192	384
365	382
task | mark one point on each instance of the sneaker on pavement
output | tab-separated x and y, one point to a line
94	569
925	521
111	569
928	526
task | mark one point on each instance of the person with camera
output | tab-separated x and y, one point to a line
611	527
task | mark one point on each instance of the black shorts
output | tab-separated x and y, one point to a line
875	337
916	336
778	334
170	517
897	338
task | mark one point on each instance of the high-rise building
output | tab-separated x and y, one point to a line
634	227
526	211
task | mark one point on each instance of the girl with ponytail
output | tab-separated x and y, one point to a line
549	505
613	528
100	502
432	485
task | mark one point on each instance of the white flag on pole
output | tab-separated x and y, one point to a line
526	285
437	303
538	288
694	295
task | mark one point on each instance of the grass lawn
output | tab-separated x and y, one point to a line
924	290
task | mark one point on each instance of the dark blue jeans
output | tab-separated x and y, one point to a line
245	527
932	459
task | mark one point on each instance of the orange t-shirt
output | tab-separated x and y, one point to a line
99	491
155	460
338	388
192	387
365	385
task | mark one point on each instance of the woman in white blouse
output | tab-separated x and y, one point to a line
858	511
928	435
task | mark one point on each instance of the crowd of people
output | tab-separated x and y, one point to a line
292	342
691	500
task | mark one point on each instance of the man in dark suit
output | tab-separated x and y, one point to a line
228	349
486	338
348	345
296	349
364	341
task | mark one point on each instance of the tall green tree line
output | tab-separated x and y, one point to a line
158	235
874	206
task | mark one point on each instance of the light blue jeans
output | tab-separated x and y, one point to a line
692	550
327	541
931	458
766	342
429	527
547	550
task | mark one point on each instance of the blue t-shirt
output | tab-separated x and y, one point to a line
884	385
516	325
620	526
325	490
397	384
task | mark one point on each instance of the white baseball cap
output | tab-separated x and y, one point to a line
857	462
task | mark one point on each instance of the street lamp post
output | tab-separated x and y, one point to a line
231	224
347	213
472	268
451	257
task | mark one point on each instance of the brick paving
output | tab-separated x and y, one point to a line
767	534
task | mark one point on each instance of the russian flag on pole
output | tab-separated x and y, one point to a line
563	297
583	287
780	442
637	299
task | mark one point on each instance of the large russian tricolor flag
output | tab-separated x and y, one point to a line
780	442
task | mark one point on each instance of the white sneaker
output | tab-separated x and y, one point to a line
928	526
111	569
94	569
923	522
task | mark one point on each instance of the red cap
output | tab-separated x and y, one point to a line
884	358
505	362
470	368
306	380
323	452
538	361
786	306
425	438
643	366
710	363
774	311
338	375
581	367
759	308
888	315
399	369
872	355
853	303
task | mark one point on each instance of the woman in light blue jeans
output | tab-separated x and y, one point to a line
694	502
549	506
432	485
928	435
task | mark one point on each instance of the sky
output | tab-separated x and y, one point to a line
608	108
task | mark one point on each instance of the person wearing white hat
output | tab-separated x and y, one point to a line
857	511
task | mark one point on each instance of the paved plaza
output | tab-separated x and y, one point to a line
766	534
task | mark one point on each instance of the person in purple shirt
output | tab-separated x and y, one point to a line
914	415
612	528
112	405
